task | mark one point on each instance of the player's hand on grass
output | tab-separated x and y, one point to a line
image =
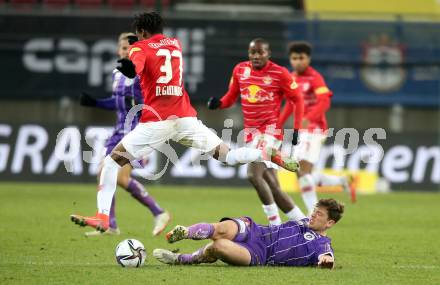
213	103
86	100
126	67
295	137
326	262
132	39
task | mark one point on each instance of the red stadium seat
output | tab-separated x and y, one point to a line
88	3
152	3
56	3
23	2
121	3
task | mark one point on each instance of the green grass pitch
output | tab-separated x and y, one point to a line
383	239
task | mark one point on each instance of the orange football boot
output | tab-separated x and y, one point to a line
100	221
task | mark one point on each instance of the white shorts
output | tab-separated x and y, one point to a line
309	146
264	141
188	131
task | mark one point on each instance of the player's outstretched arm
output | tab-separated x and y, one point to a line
326	261
230	97
86	99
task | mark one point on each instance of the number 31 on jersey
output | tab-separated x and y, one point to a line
171	79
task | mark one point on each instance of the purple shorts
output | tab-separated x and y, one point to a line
112	142
253	237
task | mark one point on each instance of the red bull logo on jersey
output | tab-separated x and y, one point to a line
267	80
254	94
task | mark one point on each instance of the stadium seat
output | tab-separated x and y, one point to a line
23	2
121	3
56	3
152	3
88	3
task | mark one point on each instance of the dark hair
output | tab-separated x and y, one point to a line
150	22
261	41
334	208
300	47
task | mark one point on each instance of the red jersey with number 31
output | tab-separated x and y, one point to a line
159	64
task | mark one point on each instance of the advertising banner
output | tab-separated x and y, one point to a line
31	152
53	56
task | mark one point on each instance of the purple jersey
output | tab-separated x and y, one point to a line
126	94
295	244
290	244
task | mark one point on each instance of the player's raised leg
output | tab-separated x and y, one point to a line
282	199
246	155
193	133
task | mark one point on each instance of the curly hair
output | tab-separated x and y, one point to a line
300	47
150	22
334	208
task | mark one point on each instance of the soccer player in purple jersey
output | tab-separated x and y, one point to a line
126	93
243	242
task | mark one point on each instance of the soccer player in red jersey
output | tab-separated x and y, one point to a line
262	85
126	92
314	125
167	114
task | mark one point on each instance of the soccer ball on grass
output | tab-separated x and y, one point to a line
130	253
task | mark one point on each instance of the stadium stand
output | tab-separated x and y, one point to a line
23	2
56	3
152	3
89	3
123	4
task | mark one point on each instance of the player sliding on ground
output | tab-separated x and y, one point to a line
167	114
314	125
126	93
243	242
262	85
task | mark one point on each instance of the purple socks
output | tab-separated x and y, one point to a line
192	258
200	231
138	192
